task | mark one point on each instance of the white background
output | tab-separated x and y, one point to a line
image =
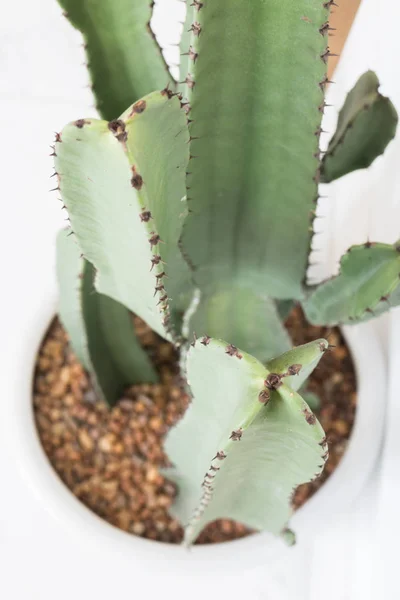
43	85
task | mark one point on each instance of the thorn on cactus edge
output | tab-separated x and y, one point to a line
294	369
189	81
212	468
155	260
117	127
161	275
205	340
136	181
186	107
369	244
330	3
236	435
310	417
324	29
198	5
138	108
80	123
54	151
162	300
323	347
167	92
322	84
191	54
323	442
154	240
264	397
273	381
220	455
145	215
159	288
194	340
326	55
233	351
195	28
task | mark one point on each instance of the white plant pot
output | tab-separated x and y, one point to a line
342	488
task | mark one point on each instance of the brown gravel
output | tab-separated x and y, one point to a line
110	460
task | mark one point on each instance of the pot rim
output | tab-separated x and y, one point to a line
335	496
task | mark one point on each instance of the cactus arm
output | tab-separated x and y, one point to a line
367	285
249	322
253	454
100	330
107	186
70	273
124	58
252	182
307	355
366	124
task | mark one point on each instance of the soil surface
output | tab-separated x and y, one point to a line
111	460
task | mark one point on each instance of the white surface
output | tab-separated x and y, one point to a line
42	87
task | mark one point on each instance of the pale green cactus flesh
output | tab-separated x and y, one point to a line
249	321
368	284
124	58
255	93
242	448
100	330
367	123
123	186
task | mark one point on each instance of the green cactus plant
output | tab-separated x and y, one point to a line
194	208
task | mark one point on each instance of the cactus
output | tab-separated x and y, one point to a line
249	432
194	209
368	283
367	123
101	329
123	56
123	183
